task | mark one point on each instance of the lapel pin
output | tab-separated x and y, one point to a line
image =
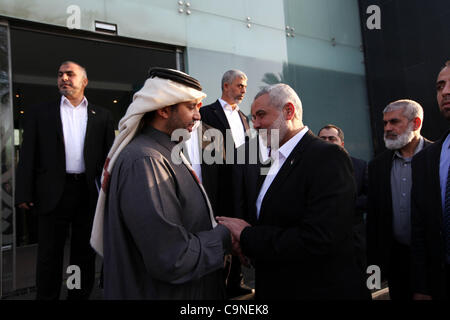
292	162
92	111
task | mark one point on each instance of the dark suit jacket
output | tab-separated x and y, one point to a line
212	174
302	243
379	215
362	185
427	240
214	116
247	180
41	171
359	228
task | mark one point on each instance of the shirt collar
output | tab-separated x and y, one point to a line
226	106
160	137
286	149
263	149
66	102
418	149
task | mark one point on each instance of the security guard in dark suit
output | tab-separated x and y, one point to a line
62	155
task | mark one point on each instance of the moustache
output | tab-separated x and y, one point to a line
390	136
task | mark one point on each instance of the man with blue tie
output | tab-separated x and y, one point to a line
430	209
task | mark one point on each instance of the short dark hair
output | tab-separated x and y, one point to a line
339	130
83	69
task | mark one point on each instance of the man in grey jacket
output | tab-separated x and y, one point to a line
160	237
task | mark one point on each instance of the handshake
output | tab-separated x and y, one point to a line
235	226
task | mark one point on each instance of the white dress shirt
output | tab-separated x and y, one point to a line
74	121
193	148
235	122
279	157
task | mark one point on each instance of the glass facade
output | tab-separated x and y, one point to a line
326	68
313	45
7	237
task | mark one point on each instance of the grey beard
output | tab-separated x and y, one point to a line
401	141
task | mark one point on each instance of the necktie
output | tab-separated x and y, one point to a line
188	165
446	220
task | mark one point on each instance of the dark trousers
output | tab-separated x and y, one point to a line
399	280
72	213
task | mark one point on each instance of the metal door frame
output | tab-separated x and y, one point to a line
11	246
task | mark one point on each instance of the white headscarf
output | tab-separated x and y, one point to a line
156	93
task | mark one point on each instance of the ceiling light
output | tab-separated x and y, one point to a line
110	28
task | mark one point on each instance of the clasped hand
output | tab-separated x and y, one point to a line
235	226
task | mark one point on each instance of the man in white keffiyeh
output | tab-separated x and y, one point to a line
154	225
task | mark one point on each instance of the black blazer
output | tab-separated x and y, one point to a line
214	116
359	228
302	243
247	180
362	185
427	239
379	215
41	171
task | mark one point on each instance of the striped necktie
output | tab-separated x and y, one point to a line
446	220
188	165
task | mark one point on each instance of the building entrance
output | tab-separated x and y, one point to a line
116	67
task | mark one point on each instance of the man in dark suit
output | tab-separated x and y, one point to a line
334	134
62	155
389	215
225	115
301	243
430	209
